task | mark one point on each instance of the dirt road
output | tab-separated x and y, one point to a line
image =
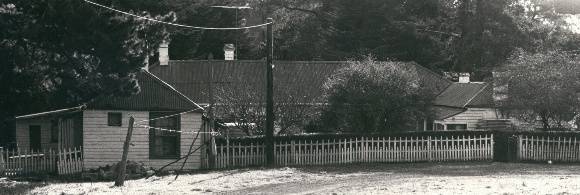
492	178
421	178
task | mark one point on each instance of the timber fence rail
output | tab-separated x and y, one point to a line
556	148
358	149
17	162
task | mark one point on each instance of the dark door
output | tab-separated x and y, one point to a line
34	131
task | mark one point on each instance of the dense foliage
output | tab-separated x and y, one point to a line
56	53
372	97
542	87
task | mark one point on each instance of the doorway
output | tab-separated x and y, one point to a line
34	134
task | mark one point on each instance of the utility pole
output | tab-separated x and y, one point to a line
269	94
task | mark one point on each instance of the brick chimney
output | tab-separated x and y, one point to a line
164	53
464	77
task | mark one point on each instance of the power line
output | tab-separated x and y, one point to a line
167	116
174	24
177	131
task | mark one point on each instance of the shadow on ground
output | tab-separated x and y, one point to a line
449	169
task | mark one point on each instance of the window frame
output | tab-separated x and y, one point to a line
114	114
153	135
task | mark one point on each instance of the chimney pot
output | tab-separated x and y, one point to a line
464	77
164	53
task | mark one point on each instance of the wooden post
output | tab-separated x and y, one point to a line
122	165
269	94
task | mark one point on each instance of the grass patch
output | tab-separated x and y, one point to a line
17	188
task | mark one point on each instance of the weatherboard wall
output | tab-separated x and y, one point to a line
23	134
471	117
103	144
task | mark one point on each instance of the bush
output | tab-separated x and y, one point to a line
133	170
370	96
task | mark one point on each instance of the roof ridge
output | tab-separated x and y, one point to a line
430	71
171	88
476	94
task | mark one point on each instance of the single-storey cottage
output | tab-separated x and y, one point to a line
466	105
167	123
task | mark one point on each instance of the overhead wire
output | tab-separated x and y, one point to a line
167	116
174	130
175	24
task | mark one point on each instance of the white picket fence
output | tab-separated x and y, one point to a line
544	148
29	162
360	150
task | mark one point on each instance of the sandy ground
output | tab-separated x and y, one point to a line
423	178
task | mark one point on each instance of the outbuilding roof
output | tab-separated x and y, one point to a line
155	95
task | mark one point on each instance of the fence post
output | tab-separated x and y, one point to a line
292	153
122	165
520	148
429	148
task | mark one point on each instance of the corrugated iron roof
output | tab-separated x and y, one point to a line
155	94
304	78
483	99
443	112
460	94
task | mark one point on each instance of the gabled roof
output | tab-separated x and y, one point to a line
460	95
443	112
155	95
304	78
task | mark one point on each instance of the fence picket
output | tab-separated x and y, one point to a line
355	149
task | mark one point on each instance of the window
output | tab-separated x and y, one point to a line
54	131
456	126
162	143
439	127
115	119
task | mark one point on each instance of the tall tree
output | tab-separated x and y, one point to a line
57	53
